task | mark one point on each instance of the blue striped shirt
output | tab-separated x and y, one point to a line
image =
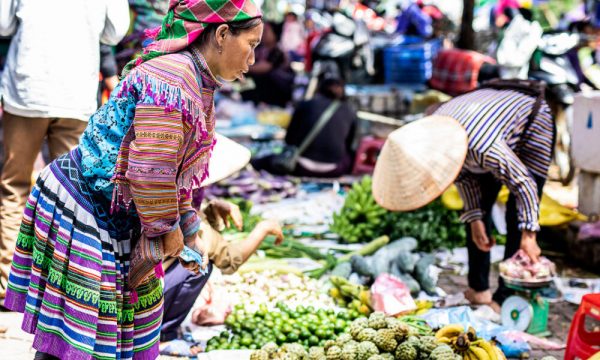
495	122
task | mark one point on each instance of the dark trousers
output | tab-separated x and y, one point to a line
479	261
182	288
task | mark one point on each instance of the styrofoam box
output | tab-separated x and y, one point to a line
586	131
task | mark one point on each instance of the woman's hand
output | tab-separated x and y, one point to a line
270	227
480	237
201	247
221	210
530	246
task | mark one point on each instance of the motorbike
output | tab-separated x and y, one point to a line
343	51
550	63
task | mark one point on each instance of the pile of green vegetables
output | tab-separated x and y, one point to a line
304	325
361	219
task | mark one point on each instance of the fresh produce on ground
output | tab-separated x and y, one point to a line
287	351
417	325
258	187
467	344
270	287
362	218
349	295
374	338
368	249
307	326
520	267
293	249
433	225
425	274
397	259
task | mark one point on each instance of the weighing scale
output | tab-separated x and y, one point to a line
527	310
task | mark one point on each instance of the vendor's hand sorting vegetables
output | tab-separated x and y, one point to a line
500	134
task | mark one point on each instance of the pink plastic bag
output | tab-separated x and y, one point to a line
212	307
390	295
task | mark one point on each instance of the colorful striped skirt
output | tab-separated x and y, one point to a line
69	273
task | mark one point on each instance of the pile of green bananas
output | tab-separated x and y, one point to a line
361	219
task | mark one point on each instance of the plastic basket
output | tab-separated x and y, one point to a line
410	61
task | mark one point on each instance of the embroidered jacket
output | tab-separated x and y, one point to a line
152	141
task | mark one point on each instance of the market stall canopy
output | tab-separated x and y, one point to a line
418	162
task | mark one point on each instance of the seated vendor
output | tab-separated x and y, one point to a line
182	287
500	134
330	153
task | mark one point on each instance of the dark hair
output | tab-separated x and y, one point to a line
235	27
327	85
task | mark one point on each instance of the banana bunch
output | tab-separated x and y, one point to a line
360	218
467	344
349	295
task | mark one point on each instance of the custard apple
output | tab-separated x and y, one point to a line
270	348
328	344
377	320
334	353
342	339
442	352
316	353
426	346
385	340
294	349
357	325
350	350
366	349
406	351
400	329
259	355
367	334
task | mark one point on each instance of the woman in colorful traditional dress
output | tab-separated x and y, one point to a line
101	218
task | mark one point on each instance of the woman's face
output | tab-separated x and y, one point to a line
238	53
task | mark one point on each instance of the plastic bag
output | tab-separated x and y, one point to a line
520	267
390	295
212	307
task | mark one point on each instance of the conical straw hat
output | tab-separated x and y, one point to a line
228	157
418	162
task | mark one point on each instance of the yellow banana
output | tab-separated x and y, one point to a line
462	343
485	345
469	355
499	354
479	353
466	355
449	331
444	340
471	333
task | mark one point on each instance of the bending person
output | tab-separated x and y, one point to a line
501	134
